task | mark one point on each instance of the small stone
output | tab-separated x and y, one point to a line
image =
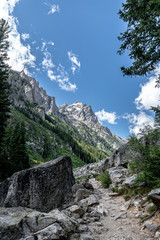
113	194
86	236
151	227
121	215
81	194
157	235
126	206
83	228
102	210
76	210
139	214
92	200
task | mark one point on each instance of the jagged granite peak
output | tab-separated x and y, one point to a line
29	91
81	112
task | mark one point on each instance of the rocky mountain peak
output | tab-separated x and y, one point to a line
79	111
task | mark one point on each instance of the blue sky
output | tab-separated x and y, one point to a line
70	47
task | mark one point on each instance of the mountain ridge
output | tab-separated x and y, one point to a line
25	89
76	125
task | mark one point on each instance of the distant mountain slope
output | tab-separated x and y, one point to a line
75	127
80	114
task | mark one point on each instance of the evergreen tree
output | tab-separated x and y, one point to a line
142	37
4	85
4	94
18	155
47	152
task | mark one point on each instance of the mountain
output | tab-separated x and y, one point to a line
81	115
66	130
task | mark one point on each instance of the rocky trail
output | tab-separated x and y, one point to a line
117	223
31	207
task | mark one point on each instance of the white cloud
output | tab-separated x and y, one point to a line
106	116
44	44
57	74
19	55
53	8
62	79
139	122
149	94
25	36
47	61
75	63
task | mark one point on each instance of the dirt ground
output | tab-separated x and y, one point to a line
119	223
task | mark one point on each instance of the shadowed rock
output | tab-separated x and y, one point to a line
43	187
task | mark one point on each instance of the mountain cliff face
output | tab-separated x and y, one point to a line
77	119
26	89
79	114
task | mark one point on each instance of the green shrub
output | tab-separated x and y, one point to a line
105	179
151	209
127	197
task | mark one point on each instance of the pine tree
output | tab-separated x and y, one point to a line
4	85
47	152
4	97
18	155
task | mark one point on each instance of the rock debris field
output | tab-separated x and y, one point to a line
117	222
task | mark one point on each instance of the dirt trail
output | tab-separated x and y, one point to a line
126	227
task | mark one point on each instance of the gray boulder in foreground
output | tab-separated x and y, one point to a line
43	187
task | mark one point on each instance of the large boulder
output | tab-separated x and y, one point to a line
43	187
119	157
117	174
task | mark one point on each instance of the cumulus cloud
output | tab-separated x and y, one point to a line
74	61
139	122
104	116
20	56
25	36
149	94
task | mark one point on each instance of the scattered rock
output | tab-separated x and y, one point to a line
130	181
155	196
151	227
121	215
92	200
23	223
86	236
157	235
81	194
113	194
117	174
76	209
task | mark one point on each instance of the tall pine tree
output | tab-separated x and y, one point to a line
4	85
18	155
4	97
